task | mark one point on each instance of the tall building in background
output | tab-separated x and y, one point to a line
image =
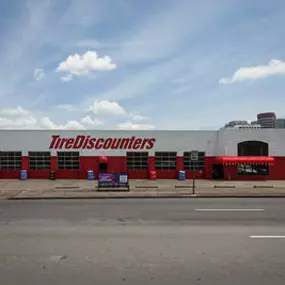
242	125
266	120
280	124
232	124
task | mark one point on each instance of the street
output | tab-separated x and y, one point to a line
141	241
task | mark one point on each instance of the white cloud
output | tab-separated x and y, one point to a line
19	118
18	111
66	78
274	67
138	117
132	126
48	123
89	121
84	123
39	74
72	125
28	122
107	108
79	65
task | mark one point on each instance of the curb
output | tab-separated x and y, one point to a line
195	196
66	187
134	188
146	187
224	186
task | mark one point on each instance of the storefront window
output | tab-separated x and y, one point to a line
39	160
68	160
165	160
137	160
253	169
199	164
252	148
11	160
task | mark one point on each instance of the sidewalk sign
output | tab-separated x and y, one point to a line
113	180
194	155
106	179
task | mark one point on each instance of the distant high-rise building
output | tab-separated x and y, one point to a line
232	124
242	125
247	127
266	120
280	124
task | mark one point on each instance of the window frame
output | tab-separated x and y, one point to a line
165	160
137	160
189	165
253	148
17	162
253	169
39	160
65	160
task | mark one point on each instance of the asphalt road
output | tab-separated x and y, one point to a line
146	241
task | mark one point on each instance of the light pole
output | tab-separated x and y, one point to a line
193	179
194	156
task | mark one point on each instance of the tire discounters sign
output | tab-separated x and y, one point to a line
89	143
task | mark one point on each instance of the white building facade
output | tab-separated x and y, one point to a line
70	154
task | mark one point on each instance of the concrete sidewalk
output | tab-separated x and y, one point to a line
48	189
36	184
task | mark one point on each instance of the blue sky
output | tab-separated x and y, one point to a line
164	64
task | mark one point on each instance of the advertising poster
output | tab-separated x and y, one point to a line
123	179
106	179
113	179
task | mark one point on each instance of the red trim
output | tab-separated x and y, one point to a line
166	174
118	164
244	159
53	163
25	162
138	174
10	174
38	174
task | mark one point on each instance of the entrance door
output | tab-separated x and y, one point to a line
103	167
218	171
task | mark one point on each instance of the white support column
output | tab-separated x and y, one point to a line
53	153
180	153
25	153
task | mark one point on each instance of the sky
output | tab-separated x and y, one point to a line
140	65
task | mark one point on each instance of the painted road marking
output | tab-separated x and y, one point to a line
229	210
267	237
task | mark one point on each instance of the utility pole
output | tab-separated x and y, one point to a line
194	156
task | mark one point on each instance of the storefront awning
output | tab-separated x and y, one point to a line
244	159
103	159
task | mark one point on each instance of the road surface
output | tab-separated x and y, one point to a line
143	241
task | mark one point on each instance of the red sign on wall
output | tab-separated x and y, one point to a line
88	142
